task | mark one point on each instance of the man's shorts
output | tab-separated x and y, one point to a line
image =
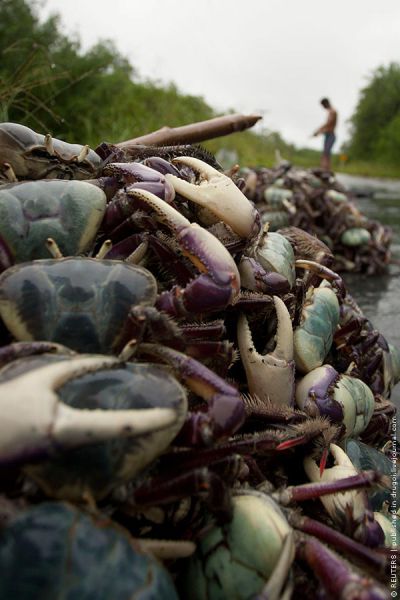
329	140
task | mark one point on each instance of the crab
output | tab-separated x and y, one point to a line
270	376
98	306
317	203
255	551
30	212
90	557
48	424
30	155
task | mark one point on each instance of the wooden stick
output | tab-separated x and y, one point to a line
195	132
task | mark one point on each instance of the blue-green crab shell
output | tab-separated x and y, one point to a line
82	303
366	458
335	196
276	254
236	560
277	219
70	212
100	467
355	236
313	181
57	552
274	195
318	322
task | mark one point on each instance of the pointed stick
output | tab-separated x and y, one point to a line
194	132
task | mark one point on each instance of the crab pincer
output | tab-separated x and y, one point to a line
218	284
143	176
225	412
36	424
218	194
270	376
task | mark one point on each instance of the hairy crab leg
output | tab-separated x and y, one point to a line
225	412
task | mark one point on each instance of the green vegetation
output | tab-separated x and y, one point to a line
49	84
376	120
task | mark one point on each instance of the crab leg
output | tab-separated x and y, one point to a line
21	349
35	423
218	194
323	272
310	491
350	509
338	540
200	481
219	282
225	412
339	581
270	376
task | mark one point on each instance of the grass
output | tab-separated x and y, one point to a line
254	150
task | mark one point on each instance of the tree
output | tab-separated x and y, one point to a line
376	120
50	85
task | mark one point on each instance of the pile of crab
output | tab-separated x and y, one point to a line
316	202
183	393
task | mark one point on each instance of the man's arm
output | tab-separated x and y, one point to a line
329	125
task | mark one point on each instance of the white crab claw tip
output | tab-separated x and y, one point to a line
48	142
83	154
284	336
218	194
270	376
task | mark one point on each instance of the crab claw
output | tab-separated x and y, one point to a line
344	400
225	412
35	423
219	282
346	505
218	194
142	176
270	376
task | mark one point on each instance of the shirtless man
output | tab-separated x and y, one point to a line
328	129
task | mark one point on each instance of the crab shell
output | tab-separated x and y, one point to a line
32	155
366	457
70	212
55	550
346	401
101	466
318	321
275	253
355	236
236	560
82	303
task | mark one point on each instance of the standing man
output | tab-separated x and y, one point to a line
328	129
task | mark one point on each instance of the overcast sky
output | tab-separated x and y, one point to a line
272	57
